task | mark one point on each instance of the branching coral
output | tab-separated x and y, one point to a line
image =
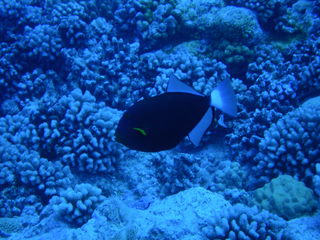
57	11
46	177
316	180
201	73
153	22
27	179
108	69
177	173
9	70
73	31
242	222
275	86
266	10
76	205
80	131
297	19
15	15
66	66
182	171
37	83
18	130
290	146
270	93
41	45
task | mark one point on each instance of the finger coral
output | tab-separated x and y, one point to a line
80	131
290	146
75	205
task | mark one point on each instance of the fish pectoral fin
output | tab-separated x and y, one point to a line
199	130
224	98
174	85
221	121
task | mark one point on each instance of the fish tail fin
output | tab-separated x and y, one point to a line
224	98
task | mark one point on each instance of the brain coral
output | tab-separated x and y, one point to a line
238	24
286	197
212	19
197	15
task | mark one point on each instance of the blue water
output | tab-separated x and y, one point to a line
69	69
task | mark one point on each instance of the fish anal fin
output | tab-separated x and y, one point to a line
199	130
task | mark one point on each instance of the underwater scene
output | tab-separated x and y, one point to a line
160	120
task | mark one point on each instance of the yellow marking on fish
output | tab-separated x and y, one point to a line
143	132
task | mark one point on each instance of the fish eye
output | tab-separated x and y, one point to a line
143	132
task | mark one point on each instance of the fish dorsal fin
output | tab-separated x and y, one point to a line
198	131
175	85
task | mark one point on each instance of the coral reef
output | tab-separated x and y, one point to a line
242	222
198	16
47	177
25	176
41	46
76	205
286	197
290	146
72	31
182	171
9	225
238	25
286	17
152	22
59	10
302	228
80	131
68	70
296	19
276	87
316	180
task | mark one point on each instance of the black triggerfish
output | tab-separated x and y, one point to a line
161	122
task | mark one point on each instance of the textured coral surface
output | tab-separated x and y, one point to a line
69	69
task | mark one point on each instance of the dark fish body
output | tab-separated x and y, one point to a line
161	122
165	119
